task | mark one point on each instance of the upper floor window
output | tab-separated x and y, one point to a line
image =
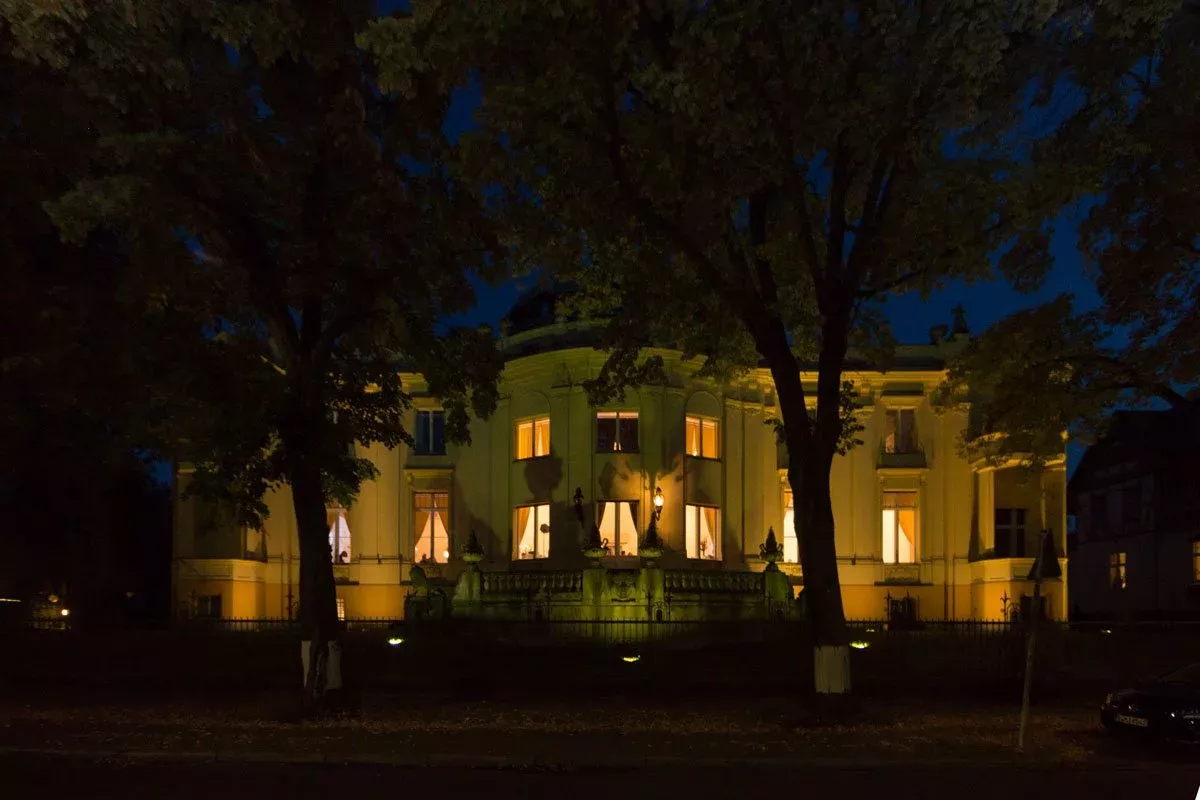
900	435
1196	560
533	438
532	528
339	536
791	545
429	433
702	437
431	522
899	525
616	431
618	524
1010	532
702	536
1116	570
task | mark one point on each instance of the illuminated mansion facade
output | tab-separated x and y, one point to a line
920	532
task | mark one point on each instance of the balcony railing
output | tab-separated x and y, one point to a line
909	459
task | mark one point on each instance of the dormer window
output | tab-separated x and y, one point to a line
701	437
900	434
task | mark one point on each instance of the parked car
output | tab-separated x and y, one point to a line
1166	707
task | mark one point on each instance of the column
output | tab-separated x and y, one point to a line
985	508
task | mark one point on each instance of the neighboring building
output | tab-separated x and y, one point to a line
1137	511
920	532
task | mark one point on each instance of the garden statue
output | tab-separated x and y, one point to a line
770	550
472	553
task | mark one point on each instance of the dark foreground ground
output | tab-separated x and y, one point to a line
26	776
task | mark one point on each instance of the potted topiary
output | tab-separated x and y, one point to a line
472	553
770	550
594	547
650	548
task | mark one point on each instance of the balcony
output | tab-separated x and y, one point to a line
907	460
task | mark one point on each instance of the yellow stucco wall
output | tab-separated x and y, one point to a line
485	484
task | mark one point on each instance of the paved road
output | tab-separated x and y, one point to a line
76	778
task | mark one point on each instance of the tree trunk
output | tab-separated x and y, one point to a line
320	628
813	518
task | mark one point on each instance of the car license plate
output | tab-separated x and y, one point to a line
1137	722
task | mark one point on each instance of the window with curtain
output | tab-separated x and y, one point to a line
701	437
701	534
432	526
533	438
339	536
616	431
429	433
618	524
531	531
791	544
1116	570
899	525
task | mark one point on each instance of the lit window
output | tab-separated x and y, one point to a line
429	433
1116	570
430	512
532	527
899	525
1196	560
339	536
616	431
900	435
702	533
701	437
533	438
341	609
618	524
791	545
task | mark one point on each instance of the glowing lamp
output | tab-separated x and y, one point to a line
66	612
446	554
658	498
860	645
631	659
395	641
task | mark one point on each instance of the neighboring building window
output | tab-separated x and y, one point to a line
702	437
899	527
532	526
339	537
1131	504
900	435
431	522
616	431
1196	560
341	609
701	532
429	434
208	606
533	438
618	524
1010	532
791	545
1116	570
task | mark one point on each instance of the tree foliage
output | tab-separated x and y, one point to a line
1131	140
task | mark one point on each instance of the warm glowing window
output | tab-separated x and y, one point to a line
899	527
429	433
339	535
701	437
616	431
791	545
1196	560
532	528
1116	570
701	532
533	438
900	435
341	609
618	524
431	523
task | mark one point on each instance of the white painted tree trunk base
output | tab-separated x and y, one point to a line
831	669
333	665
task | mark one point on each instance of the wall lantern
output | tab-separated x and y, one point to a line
658	502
